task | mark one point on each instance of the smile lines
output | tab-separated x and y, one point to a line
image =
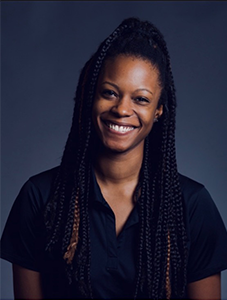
121	129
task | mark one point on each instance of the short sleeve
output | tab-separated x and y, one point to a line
22	240
208	238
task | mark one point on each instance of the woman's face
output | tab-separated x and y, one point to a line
125	104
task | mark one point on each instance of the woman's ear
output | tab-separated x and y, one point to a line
159	112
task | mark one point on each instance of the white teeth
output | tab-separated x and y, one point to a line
121	129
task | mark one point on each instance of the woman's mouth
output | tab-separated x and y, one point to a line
119	128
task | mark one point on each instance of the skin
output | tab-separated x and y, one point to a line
26	283
207	288
127	95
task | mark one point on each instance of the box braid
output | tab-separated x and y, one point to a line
162	252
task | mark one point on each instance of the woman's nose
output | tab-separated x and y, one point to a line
123	107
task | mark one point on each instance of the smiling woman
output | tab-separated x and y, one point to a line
126	102
116	219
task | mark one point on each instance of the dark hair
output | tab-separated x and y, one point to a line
162	251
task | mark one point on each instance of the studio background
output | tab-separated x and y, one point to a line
45	45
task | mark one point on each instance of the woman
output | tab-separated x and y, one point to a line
116	219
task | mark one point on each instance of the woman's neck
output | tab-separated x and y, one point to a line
118	168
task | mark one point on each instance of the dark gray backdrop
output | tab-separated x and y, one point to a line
45	45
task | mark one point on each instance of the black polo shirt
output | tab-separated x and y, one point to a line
113	259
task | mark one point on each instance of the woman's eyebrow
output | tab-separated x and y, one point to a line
114	85
137	90
143	89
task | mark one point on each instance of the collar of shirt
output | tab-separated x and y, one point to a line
99	201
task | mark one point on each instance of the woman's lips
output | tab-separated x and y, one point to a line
119	127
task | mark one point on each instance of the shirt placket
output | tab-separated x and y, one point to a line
112	259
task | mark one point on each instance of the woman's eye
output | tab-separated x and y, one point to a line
142	100
108	93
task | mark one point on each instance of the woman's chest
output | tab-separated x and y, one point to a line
113	258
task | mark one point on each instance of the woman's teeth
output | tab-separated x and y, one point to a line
121	129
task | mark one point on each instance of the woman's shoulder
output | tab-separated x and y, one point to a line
198	200
194	193
189	185
201	210
36	190
207	236
44	178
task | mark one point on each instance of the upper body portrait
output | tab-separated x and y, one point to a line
116	219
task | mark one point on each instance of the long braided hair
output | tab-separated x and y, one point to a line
162	251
